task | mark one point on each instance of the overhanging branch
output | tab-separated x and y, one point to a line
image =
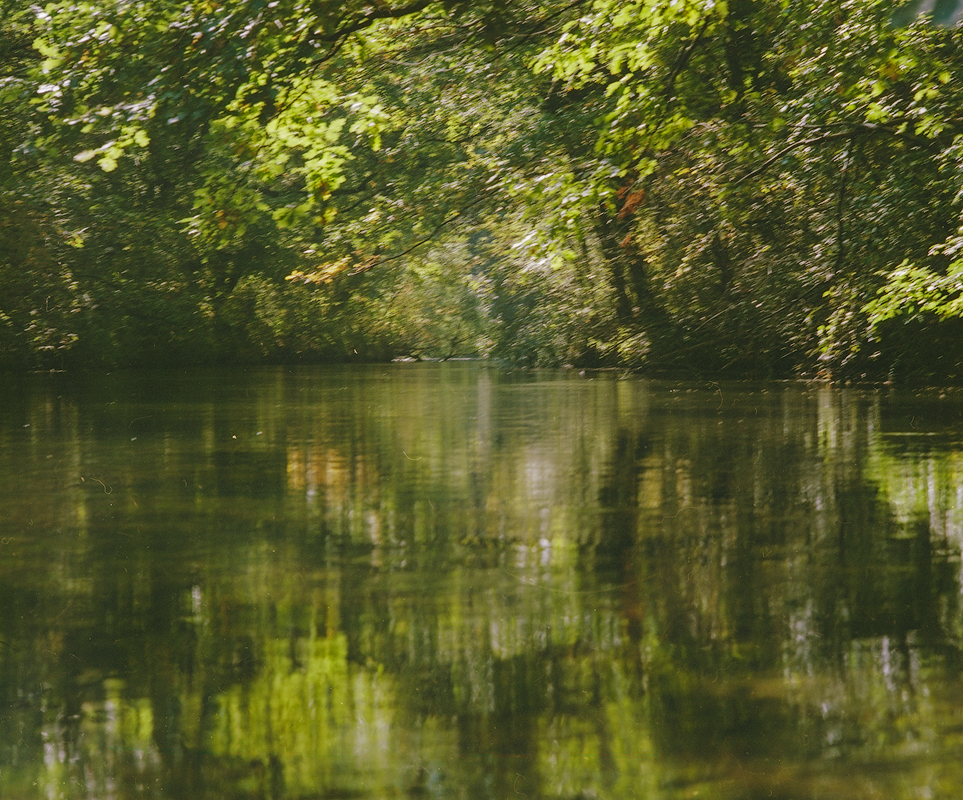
863	129
431	234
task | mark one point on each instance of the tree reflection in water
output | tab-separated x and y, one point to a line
456	581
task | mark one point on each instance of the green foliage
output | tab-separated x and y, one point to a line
737	186
910	291
774	166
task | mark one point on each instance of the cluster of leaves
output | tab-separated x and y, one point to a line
776	164
744	186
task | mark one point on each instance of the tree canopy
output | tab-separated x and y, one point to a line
739	187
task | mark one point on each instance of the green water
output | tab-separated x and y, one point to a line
456	581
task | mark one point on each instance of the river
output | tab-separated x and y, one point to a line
460	581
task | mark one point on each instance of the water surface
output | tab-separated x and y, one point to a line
456	581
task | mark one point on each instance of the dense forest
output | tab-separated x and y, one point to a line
755	188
